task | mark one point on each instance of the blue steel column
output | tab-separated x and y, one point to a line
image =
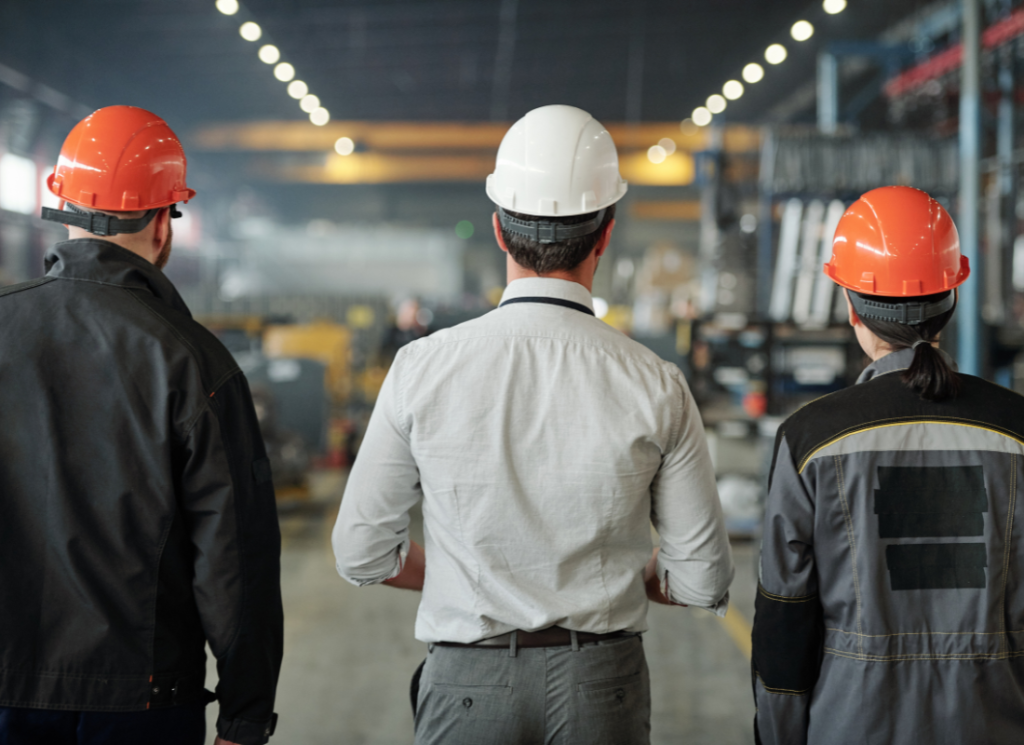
828	93
969	311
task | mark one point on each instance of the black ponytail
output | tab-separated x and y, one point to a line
929	374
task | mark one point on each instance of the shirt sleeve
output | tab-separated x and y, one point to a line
695	562
228	498
371	536
788	633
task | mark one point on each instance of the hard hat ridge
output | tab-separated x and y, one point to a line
896	242
556	161
121	159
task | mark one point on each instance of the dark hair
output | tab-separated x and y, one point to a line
545	258
929	374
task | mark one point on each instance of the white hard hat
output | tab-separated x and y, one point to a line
556	161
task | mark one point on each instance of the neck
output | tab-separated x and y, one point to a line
124	241
582	275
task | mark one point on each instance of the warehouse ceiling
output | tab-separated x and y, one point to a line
416	60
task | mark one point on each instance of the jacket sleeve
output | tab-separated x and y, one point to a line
371	536
695	562
229	502
788	633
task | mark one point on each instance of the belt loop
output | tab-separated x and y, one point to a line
430	648
513	643
575	640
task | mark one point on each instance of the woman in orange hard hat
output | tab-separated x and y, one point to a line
890	604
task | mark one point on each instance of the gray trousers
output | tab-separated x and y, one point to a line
599	694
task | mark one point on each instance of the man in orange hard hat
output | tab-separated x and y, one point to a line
889	605
139	520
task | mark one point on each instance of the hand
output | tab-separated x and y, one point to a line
652	585
414	572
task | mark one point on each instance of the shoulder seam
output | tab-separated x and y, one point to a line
879	423
656	364
15	289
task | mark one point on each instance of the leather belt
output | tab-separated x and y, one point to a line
555	636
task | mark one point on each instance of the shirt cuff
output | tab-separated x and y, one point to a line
719	608
395	566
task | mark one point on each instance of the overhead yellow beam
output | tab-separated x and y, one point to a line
676	210
397	167
303	136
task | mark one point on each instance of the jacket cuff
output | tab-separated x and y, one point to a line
245	732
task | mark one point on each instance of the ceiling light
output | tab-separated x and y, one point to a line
687	127
775	54
250	31
284	72
732	89
668	144
656	154
344	146
715	103
320	116
269	54
753	72
834	6
701	116
309	103
227	7
802	31
297	89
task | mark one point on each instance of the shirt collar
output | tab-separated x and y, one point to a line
95	260
548	287
894	362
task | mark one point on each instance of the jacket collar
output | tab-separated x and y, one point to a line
547	287
895	362
94	260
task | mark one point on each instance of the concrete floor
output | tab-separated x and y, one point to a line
349	653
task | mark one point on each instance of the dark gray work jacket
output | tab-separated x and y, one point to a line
890	606
137	517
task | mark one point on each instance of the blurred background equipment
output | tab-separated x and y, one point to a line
341	150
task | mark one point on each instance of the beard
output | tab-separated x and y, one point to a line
165	252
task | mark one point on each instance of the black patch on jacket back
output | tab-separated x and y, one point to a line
940	502
787	637
936	566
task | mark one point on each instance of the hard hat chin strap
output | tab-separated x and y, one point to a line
544	231
909	314
99	224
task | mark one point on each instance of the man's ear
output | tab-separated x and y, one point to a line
854	319
161	229
497	233
605	240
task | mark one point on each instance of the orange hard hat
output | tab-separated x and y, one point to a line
897	242
121	159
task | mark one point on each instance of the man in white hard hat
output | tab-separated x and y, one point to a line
543	444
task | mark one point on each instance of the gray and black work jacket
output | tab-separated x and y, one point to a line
137	517
890	606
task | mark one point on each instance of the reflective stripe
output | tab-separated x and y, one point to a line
920	435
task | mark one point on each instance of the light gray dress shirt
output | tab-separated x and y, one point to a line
543	444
